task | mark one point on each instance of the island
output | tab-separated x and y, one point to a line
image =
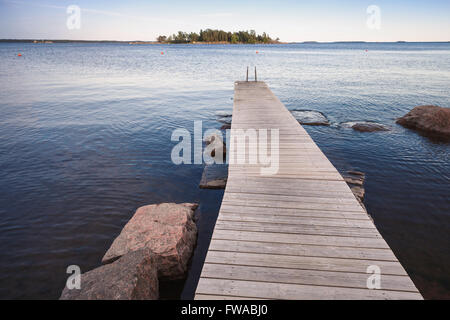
218	37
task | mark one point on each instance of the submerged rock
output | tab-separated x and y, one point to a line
225	120
223	114
365	126
355	181
215	144
430	119
214	177
310	117
132	277
167	229
224	117
369	127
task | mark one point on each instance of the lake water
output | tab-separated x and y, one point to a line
85	140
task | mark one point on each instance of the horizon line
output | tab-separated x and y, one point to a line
156	42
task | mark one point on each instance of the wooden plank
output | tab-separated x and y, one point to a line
264	211
290	192
303	262
302	250
298	229
300	276
306	239
296	205
269	290
276	182
280	219
288	198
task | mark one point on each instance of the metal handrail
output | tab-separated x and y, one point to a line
256	76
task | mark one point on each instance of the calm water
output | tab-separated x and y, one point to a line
85	140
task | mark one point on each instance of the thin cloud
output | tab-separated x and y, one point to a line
93	11
216	15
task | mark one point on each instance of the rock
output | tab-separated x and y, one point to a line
167	229
225	126
355	181
359	192
214	177
356	173
223	114
369	127
132	277
310	117
431	119
224	117
365	126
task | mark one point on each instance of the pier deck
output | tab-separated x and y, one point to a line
296	234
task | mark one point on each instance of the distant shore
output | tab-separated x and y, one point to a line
49	41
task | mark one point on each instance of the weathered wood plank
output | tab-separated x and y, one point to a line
296	220
296	205
300	276
288	198
302	250
281	291
229	208
306	239
303	262
298	229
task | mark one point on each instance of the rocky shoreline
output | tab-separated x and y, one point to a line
155	245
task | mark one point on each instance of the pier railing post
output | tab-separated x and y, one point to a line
247	75
256	78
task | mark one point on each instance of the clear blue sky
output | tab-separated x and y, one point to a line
320	20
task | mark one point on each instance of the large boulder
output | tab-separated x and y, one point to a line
132	277
167	229
430	119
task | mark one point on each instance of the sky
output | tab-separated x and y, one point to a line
289	20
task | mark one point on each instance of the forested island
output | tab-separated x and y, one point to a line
218	36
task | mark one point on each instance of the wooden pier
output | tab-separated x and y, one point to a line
296	234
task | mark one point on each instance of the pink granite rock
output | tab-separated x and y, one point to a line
133	277
167	229
431	119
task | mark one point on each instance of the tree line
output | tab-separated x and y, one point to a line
210	35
